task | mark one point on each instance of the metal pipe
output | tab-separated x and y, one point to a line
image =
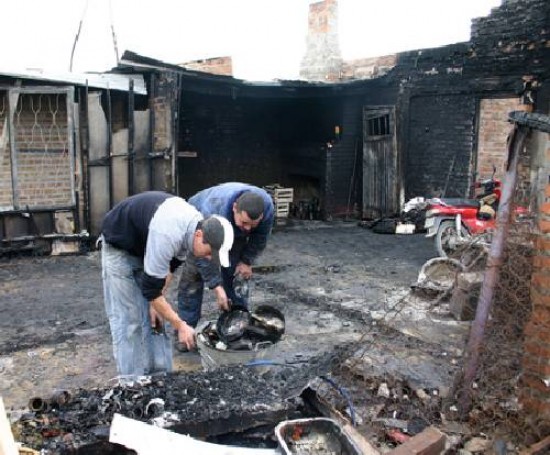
69	103
109	148
38	404
38	208
151	131
492	271
13	99
85	156
154	407
131	153
137	412
26	238
175	134
71	136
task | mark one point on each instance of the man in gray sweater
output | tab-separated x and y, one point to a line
144	238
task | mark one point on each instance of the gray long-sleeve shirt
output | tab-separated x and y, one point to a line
157	227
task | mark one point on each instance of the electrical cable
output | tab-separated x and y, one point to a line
331	382
78	35
113	30
345	394
263	362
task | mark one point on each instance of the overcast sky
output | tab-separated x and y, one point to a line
266	38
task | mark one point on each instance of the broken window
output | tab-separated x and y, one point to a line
379	126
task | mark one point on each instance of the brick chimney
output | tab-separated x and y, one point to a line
323	59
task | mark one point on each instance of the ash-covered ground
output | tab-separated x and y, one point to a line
334	282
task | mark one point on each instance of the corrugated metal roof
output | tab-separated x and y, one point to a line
96	80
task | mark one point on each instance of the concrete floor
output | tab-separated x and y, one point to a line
335	282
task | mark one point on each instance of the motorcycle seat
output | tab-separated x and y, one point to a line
459	202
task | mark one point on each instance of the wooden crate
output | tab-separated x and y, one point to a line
283	195
282	198
282	209
280	194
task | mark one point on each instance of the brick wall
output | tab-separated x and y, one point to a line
513	39
43	179
535	379
162	134
493	131
42	157
440	146
217	65
438	95
368	68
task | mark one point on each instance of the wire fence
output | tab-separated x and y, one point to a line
497	383
392	399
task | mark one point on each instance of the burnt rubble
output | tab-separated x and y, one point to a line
202	404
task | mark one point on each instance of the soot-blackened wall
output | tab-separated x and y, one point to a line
221	140
441	132
259	140
443	88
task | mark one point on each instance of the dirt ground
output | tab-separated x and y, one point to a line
333	281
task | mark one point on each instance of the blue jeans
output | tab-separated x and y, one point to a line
137	351
191	290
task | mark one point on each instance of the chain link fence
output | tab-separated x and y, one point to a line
496	410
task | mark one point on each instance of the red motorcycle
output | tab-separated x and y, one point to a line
453	221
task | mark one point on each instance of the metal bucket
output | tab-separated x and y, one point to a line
212	358
314	436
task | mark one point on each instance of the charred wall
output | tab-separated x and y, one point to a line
222	139
441	140
260	140
513	39
285	132
442	90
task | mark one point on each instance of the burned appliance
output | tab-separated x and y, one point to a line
239	337
241	330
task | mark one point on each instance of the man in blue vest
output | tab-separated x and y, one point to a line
250	211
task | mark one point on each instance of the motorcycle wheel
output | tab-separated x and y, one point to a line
447	241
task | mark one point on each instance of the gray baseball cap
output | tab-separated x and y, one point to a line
218	233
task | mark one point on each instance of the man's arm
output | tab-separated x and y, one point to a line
159	253
186	334
257	241
210	274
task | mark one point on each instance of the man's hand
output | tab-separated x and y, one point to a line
221	298
186	335
244	270
156	319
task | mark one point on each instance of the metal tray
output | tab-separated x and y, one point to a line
315	436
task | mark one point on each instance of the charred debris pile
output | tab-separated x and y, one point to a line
202	404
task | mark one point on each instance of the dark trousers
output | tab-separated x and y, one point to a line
191	287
